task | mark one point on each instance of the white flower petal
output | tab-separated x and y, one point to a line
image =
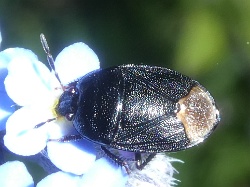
61	127
104	173
74	157
26	118
10	54
61	179
29	144
75	61
21	136
28	79
15	174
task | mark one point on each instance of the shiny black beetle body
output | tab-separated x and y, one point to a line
136	108
140	108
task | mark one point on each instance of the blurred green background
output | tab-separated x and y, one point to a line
207	40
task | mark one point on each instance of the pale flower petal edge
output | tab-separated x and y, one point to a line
76	61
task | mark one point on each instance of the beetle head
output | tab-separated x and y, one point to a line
67	104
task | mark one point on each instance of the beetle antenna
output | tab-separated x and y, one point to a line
49	57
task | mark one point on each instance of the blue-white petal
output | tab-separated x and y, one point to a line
74	157
61	179
21	136
15	174
28	80
105	173
76	61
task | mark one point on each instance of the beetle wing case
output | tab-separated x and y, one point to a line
142	108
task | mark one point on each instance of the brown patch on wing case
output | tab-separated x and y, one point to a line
198	114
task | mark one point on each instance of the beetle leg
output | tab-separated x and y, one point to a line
42	123
141	164
116	159
68	138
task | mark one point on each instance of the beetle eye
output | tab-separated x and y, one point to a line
69	117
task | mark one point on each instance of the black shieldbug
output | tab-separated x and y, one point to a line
139	108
